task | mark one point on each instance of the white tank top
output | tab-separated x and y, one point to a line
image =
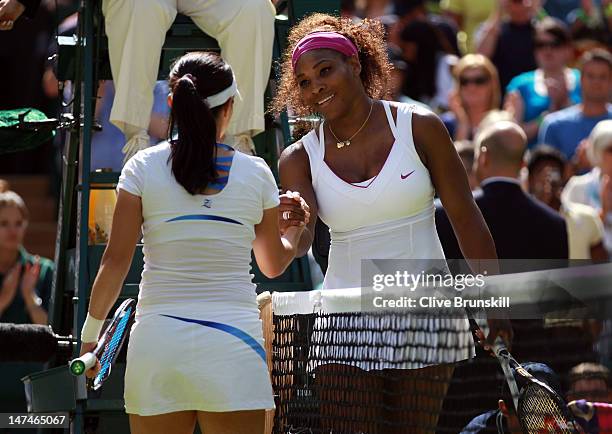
389	217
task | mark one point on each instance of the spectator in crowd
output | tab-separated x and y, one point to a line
25	288
397	78
595	187
547	166
590	381
468	15
560	9
509	42
25	279
136	30
4	185
591	22
408	11
476	93
428	78
504	419
521	226
566	128
465	149
11	10
552	86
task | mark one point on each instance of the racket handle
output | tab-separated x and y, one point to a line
499	346
82	364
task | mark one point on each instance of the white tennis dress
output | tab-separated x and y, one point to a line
197	340
390	216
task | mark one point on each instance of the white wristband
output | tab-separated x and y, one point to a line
91	329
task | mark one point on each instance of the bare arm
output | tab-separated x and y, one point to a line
489	33
294	169
117	257
274	252
450	180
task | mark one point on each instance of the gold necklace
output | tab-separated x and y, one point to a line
347	142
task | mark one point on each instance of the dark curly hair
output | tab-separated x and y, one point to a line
369	38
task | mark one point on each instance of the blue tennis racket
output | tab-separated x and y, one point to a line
108	346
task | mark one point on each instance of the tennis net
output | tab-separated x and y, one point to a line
338	369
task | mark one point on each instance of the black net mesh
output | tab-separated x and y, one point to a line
388	373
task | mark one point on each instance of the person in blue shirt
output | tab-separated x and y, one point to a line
566	128
552	86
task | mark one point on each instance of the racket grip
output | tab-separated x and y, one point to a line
82	364
499	346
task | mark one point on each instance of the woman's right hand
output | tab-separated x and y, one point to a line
293	211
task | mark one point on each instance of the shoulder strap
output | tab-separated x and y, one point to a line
404	122
390	119
312	145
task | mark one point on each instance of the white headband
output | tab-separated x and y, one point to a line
221	97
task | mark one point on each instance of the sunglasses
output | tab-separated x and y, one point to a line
547	44
478	81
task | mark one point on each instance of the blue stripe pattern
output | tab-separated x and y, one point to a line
209	217
216	185
243	336
224	146
224	159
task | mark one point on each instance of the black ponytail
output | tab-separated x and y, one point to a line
194	77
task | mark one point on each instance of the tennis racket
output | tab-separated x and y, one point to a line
539	408
108	346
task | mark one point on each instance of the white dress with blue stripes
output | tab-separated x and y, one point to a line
197	340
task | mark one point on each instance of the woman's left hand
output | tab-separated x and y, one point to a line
30	278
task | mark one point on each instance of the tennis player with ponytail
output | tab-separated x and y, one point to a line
196	347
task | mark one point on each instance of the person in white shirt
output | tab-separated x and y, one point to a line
546	166
595	187
196	348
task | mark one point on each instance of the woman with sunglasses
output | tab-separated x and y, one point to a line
476	93
552	86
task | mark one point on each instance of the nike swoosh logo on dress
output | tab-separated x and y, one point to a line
407	175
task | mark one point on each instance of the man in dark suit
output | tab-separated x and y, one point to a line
522	228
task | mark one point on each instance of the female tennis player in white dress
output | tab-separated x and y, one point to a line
371	168
196	347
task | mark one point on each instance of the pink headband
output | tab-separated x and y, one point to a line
316	40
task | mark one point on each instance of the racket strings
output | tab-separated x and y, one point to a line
112	345
541	413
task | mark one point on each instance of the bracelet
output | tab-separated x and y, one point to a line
91	329
36	302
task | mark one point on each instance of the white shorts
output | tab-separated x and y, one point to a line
180	362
